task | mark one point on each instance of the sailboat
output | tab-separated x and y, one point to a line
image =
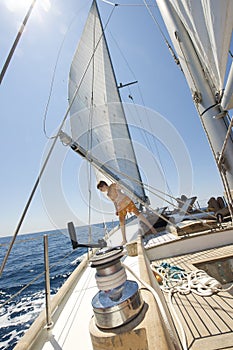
164	291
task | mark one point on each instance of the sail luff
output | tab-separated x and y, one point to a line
98	98
203	89
144	197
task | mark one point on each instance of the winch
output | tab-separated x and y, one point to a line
118	300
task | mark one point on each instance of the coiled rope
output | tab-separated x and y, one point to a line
162	310
177	280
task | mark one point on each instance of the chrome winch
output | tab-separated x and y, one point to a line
118	300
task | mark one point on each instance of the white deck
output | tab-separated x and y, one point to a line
72	325
72	316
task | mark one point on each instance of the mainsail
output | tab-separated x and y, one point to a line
209	24
201	32
98	121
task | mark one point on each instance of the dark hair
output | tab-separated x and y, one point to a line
101	184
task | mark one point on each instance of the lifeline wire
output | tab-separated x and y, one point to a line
34	280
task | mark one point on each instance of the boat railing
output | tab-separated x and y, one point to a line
50	302
44	321
47	284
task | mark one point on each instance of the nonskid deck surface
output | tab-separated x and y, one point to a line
207	321
160	238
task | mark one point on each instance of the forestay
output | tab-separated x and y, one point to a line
98	121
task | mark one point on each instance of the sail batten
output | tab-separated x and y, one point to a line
98	122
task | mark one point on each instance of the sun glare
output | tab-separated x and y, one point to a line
23	5
17	5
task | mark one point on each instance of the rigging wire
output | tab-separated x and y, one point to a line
53	79
146	138
35	279
36	184
176	60
119	4
19	34
89	147
144	134
21	220
142	202
29	239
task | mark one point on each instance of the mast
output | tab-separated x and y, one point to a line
213	118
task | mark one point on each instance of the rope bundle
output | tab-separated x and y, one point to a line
176	280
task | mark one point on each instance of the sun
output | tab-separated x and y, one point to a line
23	5
17	5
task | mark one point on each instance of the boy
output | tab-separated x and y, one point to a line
123	204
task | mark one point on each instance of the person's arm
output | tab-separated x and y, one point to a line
116	209
112	194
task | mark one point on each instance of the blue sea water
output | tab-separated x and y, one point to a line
25	263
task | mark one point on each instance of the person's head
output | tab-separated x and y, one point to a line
102	186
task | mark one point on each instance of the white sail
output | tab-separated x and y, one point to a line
227	101
209	24
98	121
201	32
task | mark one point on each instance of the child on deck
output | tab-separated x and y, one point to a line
123	204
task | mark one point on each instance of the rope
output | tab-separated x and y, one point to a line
162	310
176	280
111	281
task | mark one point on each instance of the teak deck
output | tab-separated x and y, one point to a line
207	321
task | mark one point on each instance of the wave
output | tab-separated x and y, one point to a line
25	263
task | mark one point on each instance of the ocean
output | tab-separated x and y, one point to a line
25	264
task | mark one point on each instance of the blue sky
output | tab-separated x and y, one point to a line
24	93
